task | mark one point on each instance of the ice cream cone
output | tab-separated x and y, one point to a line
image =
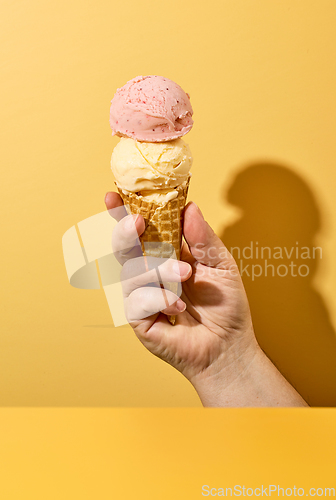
151	162
163	225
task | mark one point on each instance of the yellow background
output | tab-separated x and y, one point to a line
262	77
262	80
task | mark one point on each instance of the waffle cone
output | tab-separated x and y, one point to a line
163	224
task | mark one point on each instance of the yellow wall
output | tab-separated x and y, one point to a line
262	80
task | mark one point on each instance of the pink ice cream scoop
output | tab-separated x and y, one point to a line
151	109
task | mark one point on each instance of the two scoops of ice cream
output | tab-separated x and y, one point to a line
151	162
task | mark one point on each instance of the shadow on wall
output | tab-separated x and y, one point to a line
291	321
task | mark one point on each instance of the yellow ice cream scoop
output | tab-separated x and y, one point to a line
146	166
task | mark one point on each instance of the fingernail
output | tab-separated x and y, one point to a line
181	306
130	222
181	268
106	196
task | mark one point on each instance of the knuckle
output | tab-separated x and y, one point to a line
126	271
141	299
134	268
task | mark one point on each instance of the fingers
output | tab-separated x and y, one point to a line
186	256
113	200
141	300
143	271
204	244
115	206
144	302
125	236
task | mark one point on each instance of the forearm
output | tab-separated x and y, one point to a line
251	382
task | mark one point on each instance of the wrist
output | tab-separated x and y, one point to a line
222	383
246	378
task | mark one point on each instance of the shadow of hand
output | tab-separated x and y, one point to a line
280	215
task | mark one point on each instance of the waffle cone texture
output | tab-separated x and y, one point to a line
163	224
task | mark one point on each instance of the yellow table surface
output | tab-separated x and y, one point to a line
162	453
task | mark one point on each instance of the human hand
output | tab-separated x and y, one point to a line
212	343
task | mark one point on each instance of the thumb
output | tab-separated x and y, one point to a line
204	244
